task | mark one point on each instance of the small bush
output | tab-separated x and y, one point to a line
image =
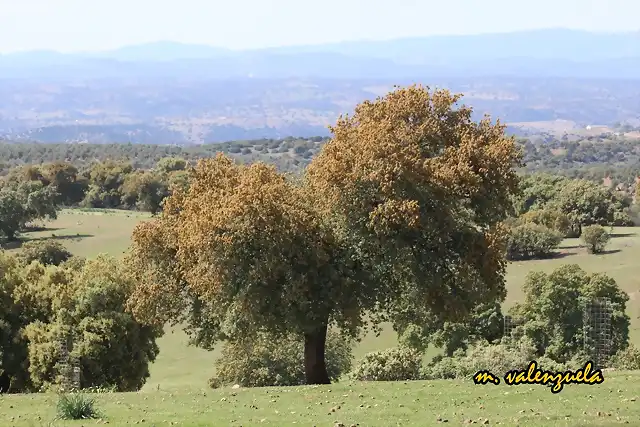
531	240
46	252
268	361
394	364
77	406
595	238
627	359
622	219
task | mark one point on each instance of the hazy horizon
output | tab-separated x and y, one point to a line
80	26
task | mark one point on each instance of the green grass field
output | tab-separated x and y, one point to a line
419	403
177	390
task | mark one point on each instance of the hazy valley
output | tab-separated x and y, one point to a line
549	80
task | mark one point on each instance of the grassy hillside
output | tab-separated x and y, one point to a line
90	232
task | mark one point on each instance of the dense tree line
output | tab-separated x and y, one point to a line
288	154
32	192
592	158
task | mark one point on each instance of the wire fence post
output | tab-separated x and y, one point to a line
598	331
68	366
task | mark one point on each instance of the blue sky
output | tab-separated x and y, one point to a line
77	25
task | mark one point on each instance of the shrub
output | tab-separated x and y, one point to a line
627	359
555	220
419	328
75	263
46	252
595	238
234	148
578	360
530	240
622	219
496	358
89	306
266	360
394	364
77	406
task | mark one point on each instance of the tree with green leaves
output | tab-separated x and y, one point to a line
552	313
144	190
585	203
82	304
47	252
170	164
107	178
13	318
401	208
23	203
595	237
537	191
67	181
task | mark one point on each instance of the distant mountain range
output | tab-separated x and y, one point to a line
553	53
175	93
564	44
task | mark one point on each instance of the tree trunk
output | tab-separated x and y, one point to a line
315	369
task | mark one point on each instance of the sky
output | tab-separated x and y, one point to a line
94	25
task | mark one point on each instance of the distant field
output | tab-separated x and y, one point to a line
177	394
549	125
90	232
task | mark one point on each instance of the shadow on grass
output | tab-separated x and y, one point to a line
40	228
614	235
18	243
564	254
610	251
552	255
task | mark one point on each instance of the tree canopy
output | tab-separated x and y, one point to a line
399	211
78	302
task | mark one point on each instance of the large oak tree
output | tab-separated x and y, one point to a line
399	213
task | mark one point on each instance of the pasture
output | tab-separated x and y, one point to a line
386	404
177	391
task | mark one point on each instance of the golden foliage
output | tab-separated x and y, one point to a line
242	236
405	198
413	174
413	138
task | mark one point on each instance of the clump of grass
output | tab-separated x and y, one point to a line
77	406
